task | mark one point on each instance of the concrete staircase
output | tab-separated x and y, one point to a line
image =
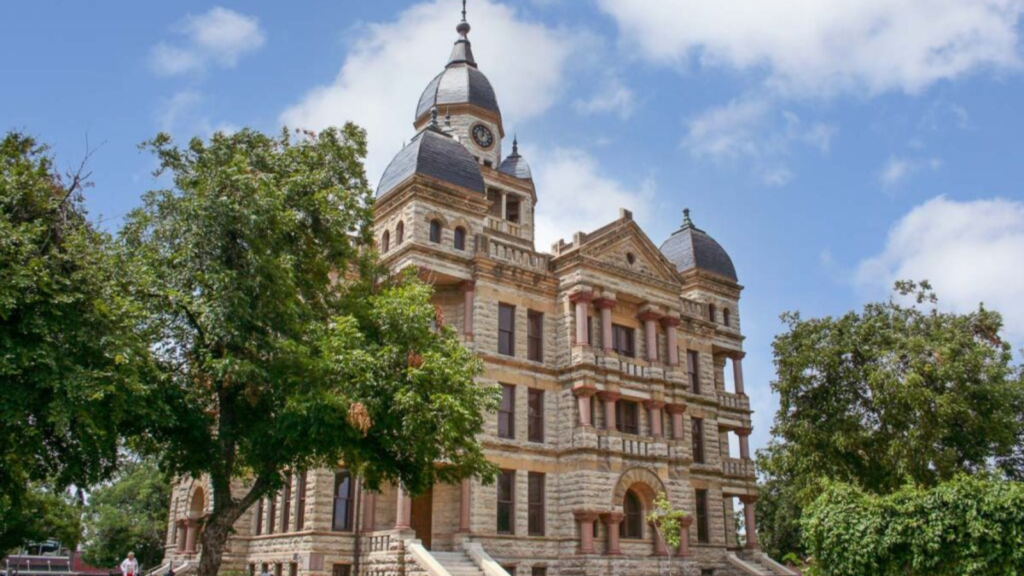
757	563
457	563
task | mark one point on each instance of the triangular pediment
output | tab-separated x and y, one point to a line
624	247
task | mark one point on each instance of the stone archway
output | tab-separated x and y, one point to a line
196	510
645	485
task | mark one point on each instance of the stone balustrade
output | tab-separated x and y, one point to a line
734	401
738	468
693	309
503	252
505	227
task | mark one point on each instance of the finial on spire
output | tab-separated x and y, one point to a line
433	117
686	217
515	144
463	10
463	27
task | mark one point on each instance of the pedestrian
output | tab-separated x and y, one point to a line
130	566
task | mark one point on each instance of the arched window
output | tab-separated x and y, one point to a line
435	231
399	233
385	242
725	317
632	525
460	238
711	312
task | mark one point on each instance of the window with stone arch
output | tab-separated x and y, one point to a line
435	231
632	525
385	242
460	238
726	317
711	312
399	233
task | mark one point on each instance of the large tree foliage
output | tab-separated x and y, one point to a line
67	352
128	514
37	515
898	392
968	526
279	346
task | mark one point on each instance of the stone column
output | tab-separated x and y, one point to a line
468	288
684	536
586	521
737	375
660	549
504	206
650	318
606	305
464	507
654	415
369	511
676	410
610	398
612	521
404	511
583	394
744	436
581	299
192	527
182	528
750	520
671	324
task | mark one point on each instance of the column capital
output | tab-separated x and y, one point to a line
585	390
605	303
653	404
647	314
743	431
467	285
686	521
749	498
584	296
676	408
670	321
612	518
609	396
586	515
737	355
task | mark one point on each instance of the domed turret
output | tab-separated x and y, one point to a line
515	165
690	247
437	155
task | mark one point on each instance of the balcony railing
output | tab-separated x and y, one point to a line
733	401
505	227
738	467
502	252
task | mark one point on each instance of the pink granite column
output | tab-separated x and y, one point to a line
192	528
182	527
581	300
684	536
606	305
671	324
612	521
660	549
586	521
654	414
468	288
464	507
369	511
744	436
583	394
737	375
750	520
610	398
676	410
650	319
404	511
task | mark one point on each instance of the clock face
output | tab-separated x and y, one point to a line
482	136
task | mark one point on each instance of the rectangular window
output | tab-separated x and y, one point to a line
627	417
693	370
271	513
277	569
300	502
252	569
512	210
506	329
702	516
507	412
341	570
623	341
535	336
535	401
506	502
342	501
539	571
697	434
535	491
259	517
286	502
293	569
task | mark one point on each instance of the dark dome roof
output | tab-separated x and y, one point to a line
460	82
437	155
690	247
515	165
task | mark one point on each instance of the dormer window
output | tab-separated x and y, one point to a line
512	210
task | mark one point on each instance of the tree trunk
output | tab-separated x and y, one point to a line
215	538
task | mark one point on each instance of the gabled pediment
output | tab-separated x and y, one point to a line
623	247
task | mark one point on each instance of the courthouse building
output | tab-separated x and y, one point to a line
620	367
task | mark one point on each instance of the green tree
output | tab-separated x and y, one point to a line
279	344
39	514
899	392
128	514
68	359
667	523
967	526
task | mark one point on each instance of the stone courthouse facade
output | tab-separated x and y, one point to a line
620	366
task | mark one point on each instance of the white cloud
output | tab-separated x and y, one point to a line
751	129
182	115
218	37
971	252
390	64
823	47
897	170
576	196
613	97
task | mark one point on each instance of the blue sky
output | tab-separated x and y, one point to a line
830	145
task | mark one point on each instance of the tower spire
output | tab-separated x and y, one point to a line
463	10
462	53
